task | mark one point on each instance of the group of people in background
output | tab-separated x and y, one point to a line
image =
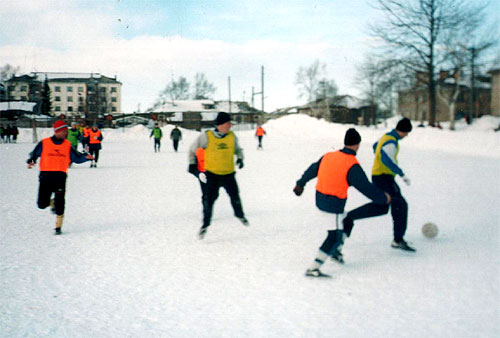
8	133
212	161
175	136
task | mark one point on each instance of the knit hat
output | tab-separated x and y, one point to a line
404	125
59	125
222	118
352	137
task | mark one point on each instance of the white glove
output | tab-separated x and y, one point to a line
202	177
406	180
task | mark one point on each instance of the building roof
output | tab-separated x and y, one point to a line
64	77
17	105
200	106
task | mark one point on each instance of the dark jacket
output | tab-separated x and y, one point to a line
356	177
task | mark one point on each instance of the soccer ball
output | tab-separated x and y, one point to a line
430	230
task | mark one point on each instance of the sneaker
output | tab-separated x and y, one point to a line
244	221
202	233
57	231
338	257
402	245
316	273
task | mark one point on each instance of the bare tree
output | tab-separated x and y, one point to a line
7	71
175	90
202	88
312	82
378	79
414	30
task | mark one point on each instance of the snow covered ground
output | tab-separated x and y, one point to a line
130	264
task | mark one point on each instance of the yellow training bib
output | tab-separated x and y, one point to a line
219	154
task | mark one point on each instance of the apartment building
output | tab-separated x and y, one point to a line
86	95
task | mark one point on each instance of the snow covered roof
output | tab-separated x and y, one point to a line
179	106
17	105
201	106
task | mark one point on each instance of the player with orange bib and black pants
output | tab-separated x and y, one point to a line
259	133
221	145
56	154
94	141
336	171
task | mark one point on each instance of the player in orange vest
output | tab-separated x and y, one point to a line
259	133
94	140
55	155
336	171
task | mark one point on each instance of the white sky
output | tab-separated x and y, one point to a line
147	43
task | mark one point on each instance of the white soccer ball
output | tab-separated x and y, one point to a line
430	230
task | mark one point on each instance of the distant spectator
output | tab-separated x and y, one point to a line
14	132
176	136
158	134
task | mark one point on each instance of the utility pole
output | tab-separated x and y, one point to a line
261	91
229	88
262	87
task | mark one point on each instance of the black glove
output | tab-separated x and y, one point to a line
29	161
240	163
298	190
193	170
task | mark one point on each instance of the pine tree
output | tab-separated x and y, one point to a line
46	104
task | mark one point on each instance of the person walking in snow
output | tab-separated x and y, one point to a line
15	132
385	168
221	145
259	133
158	134
94	141
56	154
336	171
175	136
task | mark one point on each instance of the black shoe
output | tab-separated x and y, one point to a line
57	231
244	221
316	273
402	245
338	257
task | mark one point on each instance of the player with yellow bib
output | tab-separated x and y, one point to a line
221	146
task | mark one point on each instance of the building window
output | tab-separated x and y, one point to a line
24	98
58	108
70	108
57	89
80	89
69	89
58	98
113	99
102	90
113	89
80	109
103	109
12	88
113	109
24	88
70	98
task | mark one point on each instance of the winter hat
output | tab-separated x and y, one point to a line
59	125
352	137
222	118
404	125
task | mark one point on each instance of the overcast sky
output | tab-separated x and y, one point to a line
148	43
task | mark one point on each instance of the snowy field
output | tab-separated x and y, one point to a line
130	263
